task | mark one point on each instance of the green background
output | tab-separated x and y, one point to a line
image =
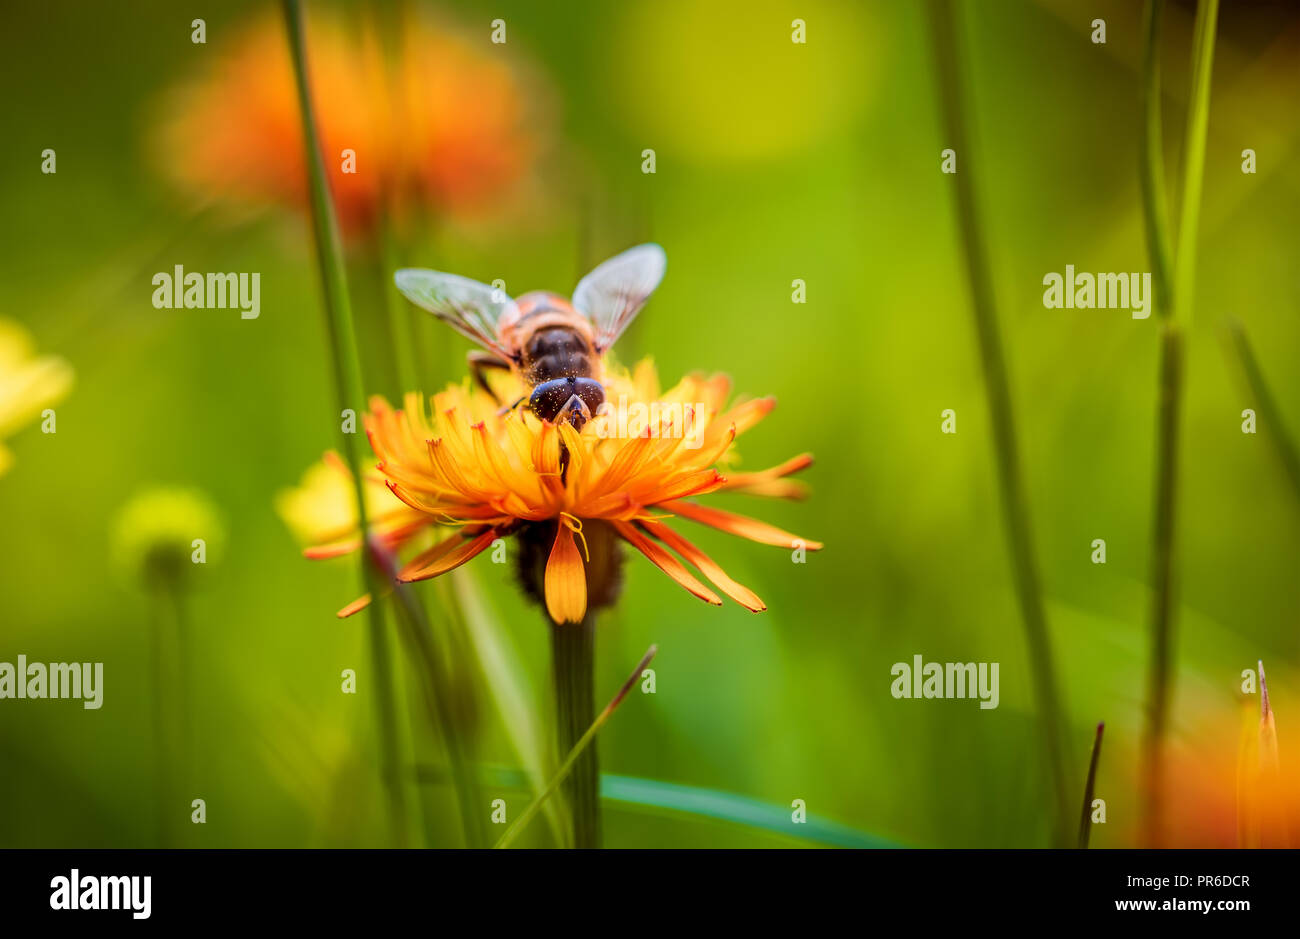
775	161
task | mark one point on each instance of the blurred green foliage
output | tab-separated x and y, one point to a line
774	162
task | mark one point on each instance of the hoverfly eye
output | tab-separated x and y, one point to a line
591	392
549	396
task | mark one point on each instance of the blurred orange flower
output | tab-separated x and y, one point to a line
435	120
1231	786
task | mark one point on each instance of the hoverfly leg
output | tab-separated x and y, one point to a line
479	362
507	408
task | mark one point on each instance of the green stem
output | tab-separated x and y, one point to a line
1151	161
573	648
1162	610
163	752
350	392
1198	119
1014	504
1176	307
399	314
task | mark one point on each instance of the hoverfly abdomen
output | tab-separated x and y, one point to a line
574	399
557	352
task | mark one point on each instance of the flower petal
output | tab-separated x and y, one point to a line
706	566
446	556
750	528
335	550
566	579
356	606
770	482
666	562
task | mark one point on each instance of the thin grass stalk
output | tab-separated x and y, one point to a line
1155	204
584	741
1266	404
398	313
1014	504
1089	789
350	394
433	668
1168	420
1198	120
1175	309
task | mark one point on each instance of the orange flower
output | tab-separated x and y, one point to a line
490	474
1227	786
440	123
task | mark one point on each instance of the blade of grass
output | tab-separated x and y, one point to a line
526	816
1085	819
1266	405
734	809
952	78
506	681
1151	160
655	796
1198	119
433	669
1176	310
350	391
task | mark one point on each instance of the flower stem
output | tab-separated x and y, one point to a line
350	391
163	752
1014	503
573	647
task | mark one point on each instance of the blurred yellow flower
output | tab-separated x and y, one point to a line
440	124
28	384
321	511
160	534
490	474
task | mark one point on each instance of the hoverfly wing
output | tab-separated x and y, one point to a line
612	294
467	306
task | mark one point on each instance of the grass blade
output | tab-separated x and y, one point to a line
511	693
652	795
522	821
1266	404
952	78
1198	119
1177	307
351	394
1085	818
733	809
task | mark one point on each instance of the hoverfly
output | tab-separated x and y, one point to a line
555	346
